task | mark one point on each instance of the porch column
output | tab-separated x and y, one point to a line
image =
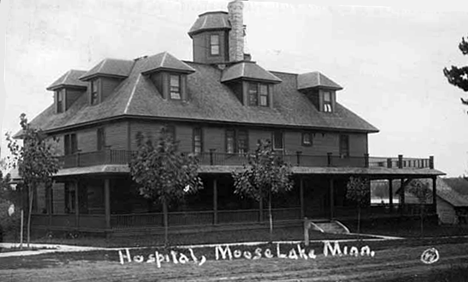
332	198
390	194
49	204
77	207
215	201
434	194
402	196
260	211
107	202
301	195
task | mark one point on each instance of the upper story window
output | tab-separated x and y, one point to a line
101	139
175	87
197	140
237	141
327	102
344	146
307	139
60	100
70	144
95	91
214	45
258	94
278	143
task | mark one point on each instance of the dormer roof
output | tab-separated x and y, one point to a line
248	70
110	68
69	79
164	61
316	79
215	20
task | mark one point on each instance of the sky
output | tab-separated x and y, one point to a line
388	58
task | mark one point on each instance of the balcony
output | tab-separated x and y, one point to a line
123	157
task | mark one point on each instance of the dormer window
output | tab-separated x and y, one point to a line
175	87
94	91
258	94
327	102
60	100
214	45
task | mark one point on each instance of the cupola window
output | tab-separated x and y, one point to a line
327	102
258	94
214	45
94	91
175	87
60	94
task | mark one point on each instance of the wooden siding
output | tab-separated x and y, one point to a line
201	47
116	135
71	96
446	212
87	140
107	86
58	196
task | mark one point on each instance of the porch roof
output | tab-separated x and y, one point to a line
374	172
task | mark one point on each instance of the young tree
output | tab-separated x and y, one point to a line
459	76
424	195
35	161
163	174
265	175
358	190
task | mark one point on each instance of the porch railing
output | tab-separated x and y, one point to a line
216	158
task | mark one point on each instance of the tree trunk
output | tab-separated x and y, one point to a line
31	196
166	224
22	229
359	221
270	215
422	219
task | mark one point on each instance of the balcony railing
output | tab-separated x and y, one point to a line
224	159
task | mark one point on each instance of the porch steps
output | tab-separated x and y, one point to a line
331	227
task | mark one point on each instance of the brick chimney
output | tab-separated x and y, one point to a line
236	34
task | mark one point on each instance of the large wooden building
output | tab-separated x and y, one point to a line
217	106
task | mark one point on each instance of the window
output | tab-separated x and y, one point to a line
197	140
214	45
306	139
258	94
70	144
170	130
70	198
60	96
175	86
237	141
327	102
94	92
101	139
344	146
278	140
263	95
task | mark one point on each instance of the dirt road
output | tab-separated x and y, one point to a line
387	264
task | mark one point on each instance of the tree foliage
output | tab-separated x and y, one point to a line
163	174
35	160
358	190
424	195
458	76
266	174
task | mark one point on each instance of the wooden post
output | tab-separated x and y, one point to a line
329	159
77	207
389	163
402	196
434	194
366	160
49	203
301	195
260	209
107	202
390	194
215	201
431	162
332	198
212	156
400	161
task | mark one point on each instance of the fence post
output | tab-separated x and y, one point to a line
400	161
212	156
298	155
366	160
431	162
329	159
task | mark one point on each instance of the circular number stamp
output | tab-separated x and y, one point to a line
430	256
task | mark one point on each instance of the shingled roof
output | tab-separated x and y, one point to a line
164	61
316	79
210	101
69	79
110	67
248	70
210	21
445	192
